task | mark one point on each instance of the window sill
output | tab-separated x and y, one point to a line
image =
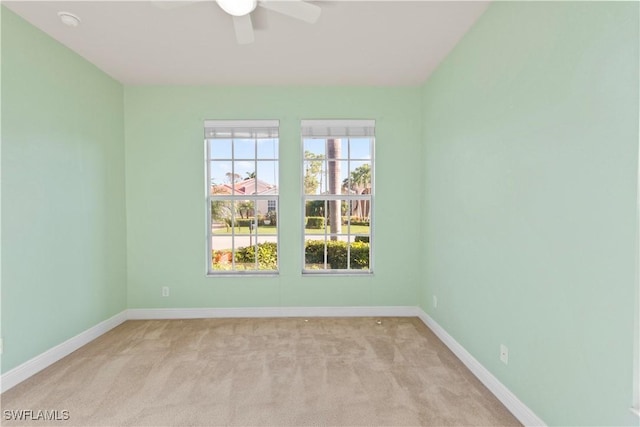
336	273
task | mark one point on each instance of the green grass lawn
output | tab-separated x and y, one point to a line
355	229
263	229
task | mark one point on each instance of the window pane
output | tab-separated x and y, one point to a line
246	257
335	212
221	216
267	253
359	255
267	217
336	149
245	216
244	149
242	238
314	254
313	171
267	175
360	176
267	149
220	174
360	148
244	174
221	253
359	217
337	253
314	148
267	227
336	176
316	216
220	148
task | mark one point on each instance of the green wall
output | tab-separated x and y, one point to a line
531	158
166	190
63	219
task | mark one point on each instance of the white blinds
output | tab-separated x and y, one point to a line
338	128
223	129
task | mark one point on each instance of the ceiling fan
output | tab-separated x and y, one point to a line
240	11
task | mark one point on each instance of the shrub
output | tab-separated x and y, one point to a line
355	221
337	254
221	257
267	255
243	222
314	208
315	222
314	252
271	216
221	260
362	239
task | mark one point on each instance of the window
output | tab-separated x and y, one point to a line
337	181
242	196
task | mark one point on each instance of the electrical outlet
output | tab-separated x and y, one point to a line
165	291
435	301
504	354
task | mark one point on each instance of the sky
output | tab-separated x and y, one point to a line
261	156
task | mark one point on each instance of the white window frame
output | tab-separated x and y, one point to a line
241	129
344	129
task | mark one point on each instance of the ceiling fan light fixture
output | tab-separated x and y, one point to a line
238	7
69	19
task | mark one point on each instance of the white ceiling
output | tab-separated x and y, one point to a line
387	43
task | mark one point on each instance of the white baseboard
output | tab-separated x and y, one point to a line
519	410
33	366
257	312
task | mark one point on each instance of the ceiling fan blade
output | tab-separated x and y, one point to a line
244	29
298	9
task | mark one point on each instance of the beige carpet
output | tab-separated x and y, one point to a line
261	372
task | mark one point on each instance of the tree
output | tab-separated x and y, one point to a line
232	177
361	176
250	175
360	183
312	173
220	209
334	151
245	208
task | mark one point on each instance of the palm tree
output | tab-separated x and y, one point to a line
245	208
232	177
250	175
221	210
334	151
360	184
